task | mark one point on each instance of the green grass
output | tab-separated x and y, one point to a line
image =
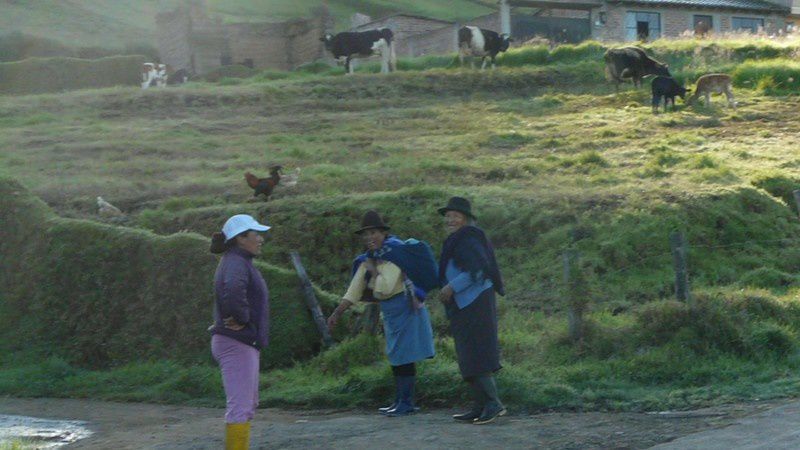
85	22
551	158
255	10
115	24
730	345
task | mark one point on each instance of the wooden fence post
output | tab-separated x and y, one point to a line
311	300
677	243
575	305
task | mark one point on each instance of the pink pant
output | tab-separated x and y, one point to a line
239	364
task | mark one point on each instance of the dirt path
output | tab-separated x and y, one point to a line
146	426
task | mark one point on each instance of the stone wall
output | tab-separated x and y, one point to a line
436	42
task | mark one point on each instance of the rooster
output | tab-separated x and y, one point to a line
264	185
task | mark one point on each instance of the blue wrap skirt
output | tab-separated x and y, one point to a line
409	336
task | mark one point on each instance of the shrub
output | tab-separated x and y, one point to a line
773	76
659	321
37	75
527	55
589	50
17	46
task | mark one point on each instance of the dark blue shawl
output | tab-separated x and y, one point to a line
413	257
471	251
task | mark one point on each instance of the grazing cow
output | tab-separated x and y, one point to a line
666	88
633	63
474	41
180	76
713	83
154	75
362	44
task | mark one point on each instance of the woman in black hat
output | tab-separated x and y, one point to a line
397	274
469	277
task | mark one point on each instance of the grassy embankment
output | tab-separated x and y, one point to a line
121	23
551	159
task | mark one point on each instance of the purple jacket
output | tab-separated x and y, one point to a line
242	294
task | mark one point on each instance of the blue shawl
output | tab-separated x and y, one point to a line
413	257
471	251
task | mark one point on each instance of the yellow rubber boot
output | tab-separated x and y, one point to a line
237	436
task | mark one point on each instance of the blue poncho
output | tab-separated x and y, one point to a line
413	257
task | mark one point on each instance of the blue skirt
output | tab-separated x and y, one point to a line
409	336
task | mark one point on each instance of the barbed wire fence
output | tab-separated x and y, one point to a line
574	281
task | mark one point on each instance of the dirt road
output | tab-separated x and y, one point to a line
146	426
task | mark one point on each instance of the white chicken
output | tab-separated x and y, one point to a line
290	180
107	209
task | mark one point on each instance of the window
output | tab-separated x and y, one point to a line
642	26
703	24
747	24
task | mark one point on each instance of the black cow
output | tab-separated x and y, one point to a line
474	41
362	44
180	76
666	88
633	63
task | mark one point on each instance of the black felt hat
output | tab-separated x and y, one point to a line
459	204
372	220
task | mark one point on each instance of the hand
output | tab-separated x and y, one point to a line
231	324
369	264
337	313
332	320
446	295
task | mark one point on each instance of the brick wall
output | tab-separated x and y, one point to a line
489	22
674	22
405	27
189	39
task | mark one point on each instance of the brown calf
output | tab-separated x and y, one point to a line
713	83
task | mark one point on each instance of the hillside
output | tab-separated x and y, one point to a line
117	23
552	160
79	23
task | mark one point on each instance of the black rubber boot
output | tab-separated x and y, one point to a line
386	409
406	404
478	400
493	407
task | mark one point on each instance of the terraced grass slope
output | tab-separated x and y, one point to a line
107	23
551	158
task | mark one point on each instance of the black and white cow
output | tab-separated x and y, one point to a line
474	41
363	44
154	75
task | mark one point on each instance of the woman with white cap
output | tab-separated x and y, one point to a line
241	322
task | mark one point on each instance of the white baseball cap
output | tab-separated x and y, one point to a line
239	224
